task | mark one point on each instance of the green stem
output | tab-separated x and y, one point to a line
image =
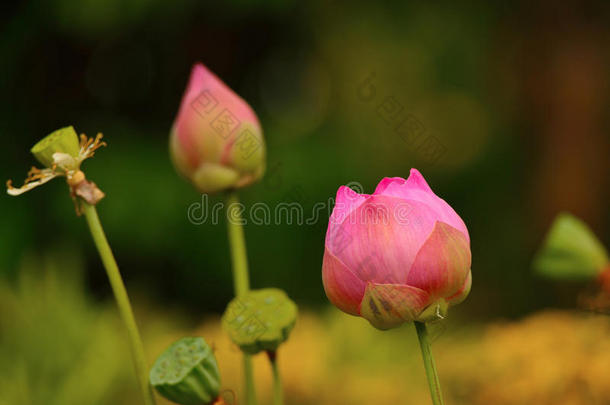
241	281
122	300
278	394
433	382
249	380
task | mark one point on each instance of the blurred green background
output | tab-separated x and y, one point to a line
512	96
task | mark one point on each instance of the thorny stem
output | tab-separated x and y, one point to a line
122	300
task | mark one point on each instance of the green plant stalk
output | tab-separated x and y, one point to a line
426	352
278	392
237	241
122	300
241	281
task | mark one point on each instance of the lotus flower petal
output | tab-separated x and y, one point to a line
463	292
443	263
377	242
416	188
342	287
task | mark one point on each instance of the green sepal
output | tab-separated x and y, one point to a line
64	140
434	312
388	306
211	178
571	251
260	320
187	373
248	150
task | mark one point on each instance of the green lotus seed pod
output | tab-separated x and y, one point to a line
260	320
187	373
64	140
570	251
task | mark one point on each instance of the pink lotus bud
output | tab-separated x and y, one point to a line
398	255
216	141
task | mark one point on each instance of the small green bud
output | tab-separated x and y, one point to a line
187	373
64	140
570	251
260	320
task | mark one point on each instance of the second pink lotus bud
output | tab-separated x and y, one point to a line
400	254
216	141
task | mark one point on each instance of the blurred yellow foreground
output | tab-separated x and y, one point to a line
59	347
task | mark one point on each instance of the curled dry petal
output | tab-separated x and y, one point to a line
36	177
